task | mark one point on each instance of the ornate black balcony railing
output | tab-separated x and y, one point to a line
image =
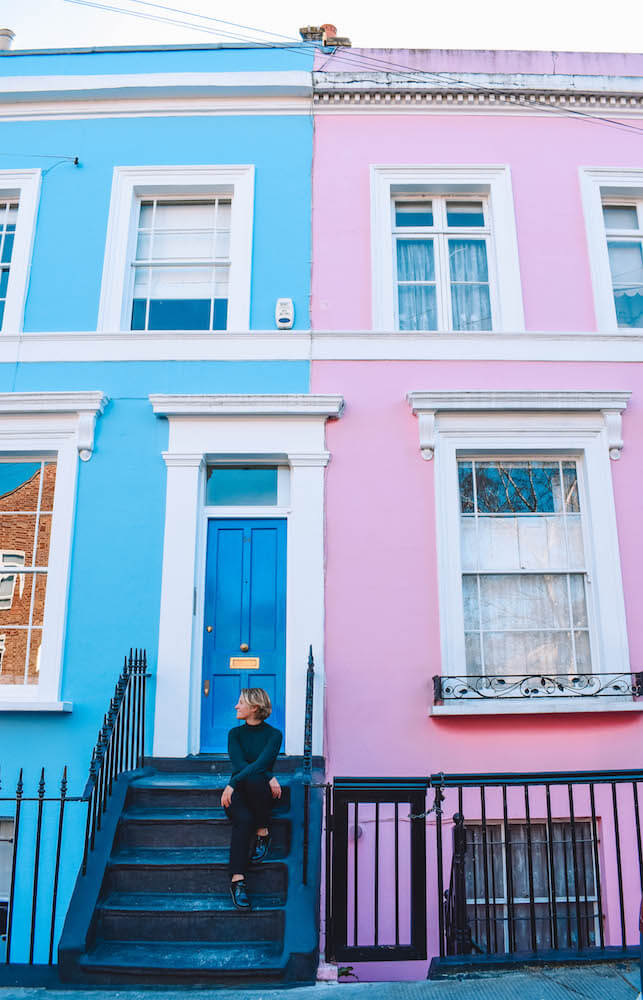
481	687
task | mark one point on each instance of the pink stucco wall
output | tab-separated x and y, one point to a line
382	627
481	61
544	154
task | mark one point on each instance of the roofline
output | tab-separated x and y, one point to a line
197	47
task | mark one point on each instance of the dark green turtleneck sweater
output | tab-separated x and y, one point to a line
253	751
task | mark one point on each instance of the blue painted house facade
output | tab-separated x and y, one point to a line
155	204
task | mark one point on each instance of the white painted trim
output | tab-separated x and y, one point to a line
595	184
261	345
239	405
25	186
552	706
576	423
582	87
287	429
495	182
152	107
296	83
60	425
128	184
36	706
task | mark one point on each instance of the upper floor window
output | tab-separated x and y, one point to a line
181	266
624	230
8	216
178	253
441	247
444	249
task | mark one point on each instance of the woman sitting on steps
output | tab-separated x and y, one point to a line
247	800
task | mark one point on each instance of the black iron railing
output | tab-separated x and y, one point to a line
50	835
546	864
121	742
479	687
307	766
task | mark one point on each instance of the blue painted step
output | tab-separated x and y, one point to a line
161	911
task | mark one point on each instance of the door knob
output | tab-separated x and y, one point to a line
208	628
206	688
244	647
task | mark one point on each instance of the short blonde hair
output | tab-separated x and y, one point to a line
259	699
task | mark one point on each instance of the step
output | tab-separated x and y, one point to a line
181	923
155	871
220	764
183	901
185	792
170	961
155	828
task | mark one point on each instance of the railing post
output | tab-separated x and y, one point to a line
437	690
462	930
307	766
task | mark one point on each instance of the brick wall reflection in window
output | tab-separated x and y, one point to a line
26	506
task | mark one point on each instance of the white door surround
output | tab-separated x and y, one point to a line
286	429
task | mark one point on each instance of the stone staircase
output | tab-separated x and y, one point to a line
155	908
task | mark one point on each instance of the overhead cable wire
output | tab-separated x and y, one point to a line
360	60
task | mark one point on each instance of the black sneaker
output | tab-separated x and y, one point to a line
262	846
239	893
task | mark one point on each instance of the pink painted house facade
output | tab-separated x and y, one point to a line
477	300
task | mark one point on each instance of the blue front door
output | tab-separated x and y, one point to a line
244	637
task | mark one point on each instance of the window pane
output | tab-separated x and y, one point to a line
413	213
471	307
465	213
183	245
417	307
179	314
465	476
620	217
626	263
629	307
184	215
528	653
524	601
415	260
521	487
19	485
234	486
468	260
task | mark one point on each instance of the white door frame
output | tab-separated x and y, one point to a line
284	429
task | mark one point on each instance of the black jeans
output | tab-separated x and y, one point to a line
249	811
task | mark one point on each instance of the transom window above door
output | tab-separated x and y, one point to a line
442	263
524	567
181	264
246	486
624	230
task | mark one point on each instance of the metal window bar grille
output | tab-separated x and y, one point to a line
46	838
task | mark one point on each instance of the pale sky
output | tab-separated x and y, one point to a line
579	25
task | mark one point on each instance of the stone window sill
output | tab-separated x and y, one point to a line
542	706
35	706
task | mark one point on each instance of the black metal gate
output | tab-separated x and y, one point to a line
376	869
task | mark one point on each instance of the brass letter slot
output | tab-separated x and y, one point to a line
244	663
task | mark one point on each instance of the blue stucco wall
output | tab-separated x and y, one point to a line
162	59
117	550
118	541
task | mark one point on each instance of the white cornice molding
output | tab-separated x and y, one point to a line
470	91
86	406
241	405
427	406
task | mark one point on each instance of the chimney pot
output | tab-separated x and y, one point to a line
329	30
6	38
